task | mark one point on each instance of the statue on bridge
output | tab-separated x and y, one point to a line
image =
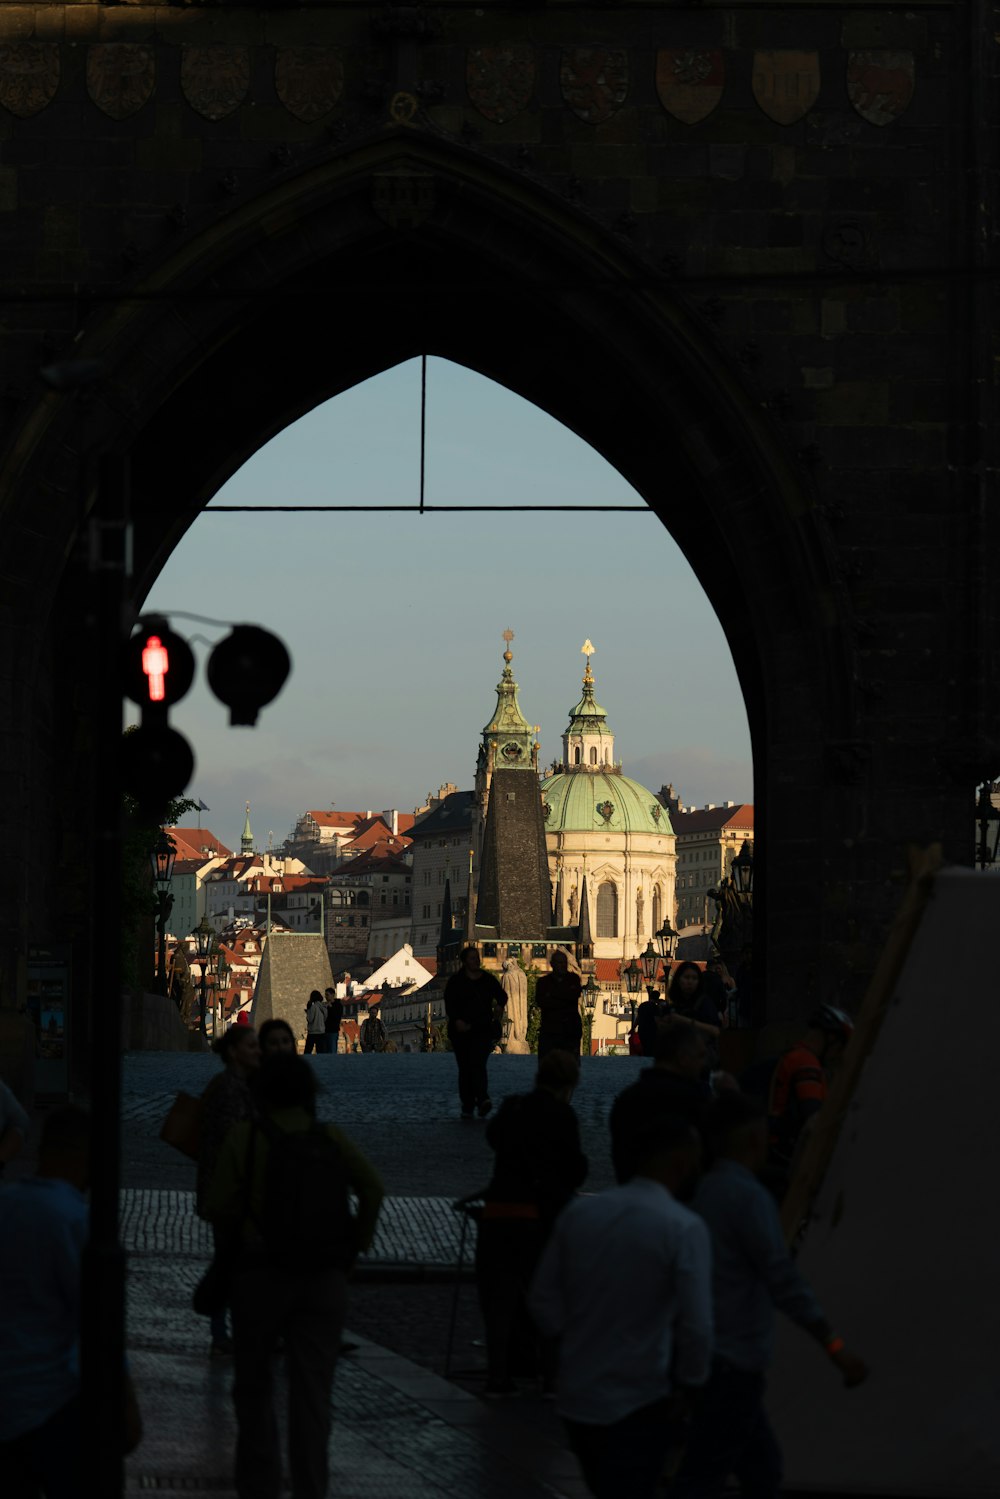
514	982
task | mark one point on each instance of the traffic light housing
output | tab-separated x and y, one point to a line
157	761
247	670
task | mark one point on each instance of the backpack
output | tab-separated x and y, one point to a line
306	1221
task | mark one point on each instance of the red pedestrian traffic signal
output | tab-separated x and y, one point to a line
159	665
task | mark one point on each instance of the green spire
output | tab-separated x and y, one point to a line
588	743
246	841
508	732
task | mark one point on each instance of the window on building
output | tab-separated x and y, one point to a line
607	910
426	912
577	755
593	754
657	908
350	921
427	876
364	921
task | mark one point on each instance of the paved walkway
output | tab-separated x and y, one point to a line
400	1431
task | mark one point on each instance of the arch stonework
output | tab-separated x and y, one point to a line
765	325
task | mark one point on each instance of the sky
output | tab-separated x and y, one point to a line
394	622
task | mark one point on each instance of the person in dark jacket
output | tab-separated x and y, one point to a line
473	1002
539	1166
675	1084
652	1014
690	1000
557	996
334	1015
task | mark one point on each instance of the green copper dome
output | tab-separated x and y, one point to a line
584	801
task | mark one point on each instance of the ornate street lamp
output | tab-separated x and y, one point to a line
632	973
591	989
649	960
162	858
666	942
204	937
743	870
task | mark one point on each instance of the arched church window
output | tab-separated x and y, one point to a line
593	754
607	910
657	908
577	754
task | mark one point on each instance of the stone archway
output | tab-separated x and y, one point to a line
408	245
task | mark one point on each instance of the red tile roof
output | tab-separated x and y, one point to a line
431	964
375	835
336	819
191	843
713	820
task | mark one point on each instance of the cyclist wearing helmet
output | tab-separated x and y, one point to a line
799	1084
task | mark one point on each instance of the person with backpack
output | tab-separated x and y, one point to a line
280	1196
315	1024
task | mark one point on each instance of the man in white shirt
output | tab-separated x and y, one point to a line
625	1284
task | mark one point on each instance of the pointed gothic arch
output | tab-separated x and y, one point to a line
267	308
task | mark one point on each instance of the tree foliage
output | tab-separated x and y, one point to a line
138	896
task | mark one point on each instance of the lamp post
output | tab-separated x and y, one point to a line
633	980
204	936
591	989
162	858
743	871
648	961
666	941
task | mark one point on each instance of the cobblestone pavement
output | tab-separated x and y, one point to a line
401	1110
400	1430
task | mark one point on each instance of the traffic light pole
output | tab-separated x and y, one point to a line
103	1290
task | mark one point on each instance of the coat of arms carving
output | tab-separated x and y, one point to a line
880	84
29	77
120	77
786	84
607	810
309	80
594	82
689	81
500	80
214	80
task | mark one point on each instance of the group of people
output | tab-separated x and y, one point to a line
647	1310
644	1311
324	1012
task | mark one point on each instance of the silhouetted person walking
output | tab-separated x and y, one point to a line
675	1084
474	1002
538	1168
622	1373
44	1224
557	996
280	1198
752	1275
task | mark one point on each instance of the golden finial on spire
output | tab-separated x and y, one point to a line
587	649
508	636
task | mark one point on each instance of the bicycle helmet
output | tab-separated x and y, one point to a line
833	1022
